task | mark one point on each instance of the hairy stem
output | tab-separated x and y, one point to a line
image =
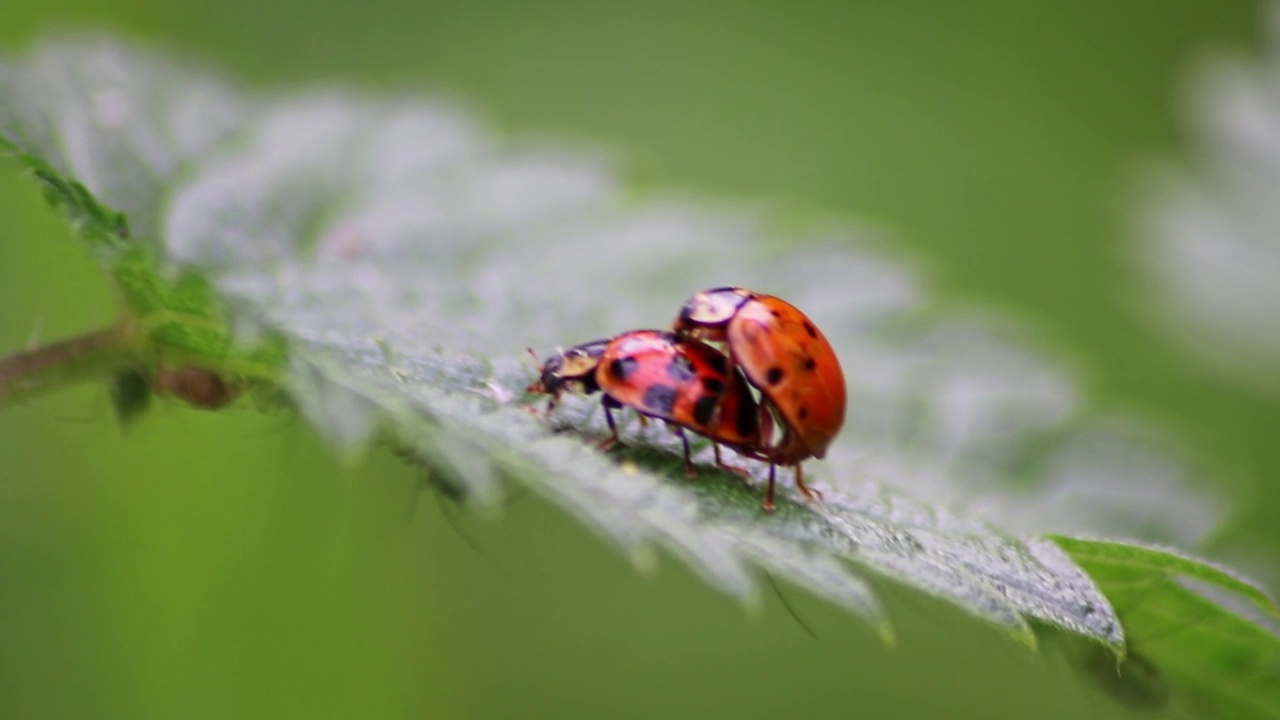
92	356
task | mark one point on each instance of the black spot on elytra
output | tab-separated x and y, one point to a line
704	409
718	363
622	368
774	313
659	399
748	420
680	369
713	385
809	328
810	364
774	375
804	413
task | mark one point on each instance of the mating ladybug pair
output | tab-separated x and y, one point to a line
679	378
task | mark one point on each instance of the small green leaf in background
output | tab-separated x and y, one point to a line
384	261
130	396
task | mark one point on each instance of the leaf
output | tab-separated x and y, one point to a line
130	396
1210	235
1127	557
1184	622
89	115
387	260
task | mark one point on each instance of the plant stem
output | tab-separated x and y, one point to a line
92	356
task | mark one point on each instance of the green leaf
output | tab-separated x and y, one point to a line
90	114
387	260
130	396
1128	559
1186	628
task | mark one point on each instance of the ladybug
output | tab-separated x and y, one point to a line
784	355
684	382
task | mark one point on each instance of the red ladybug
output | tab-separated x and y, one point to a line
683	382
784	355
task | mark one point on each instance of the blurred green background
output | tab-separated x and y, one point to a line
220	565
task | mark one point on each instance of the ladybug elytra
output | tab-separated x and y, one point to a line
784	355
684	382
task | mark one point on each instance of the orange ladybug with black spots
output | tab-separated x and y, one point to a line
783	354
684	382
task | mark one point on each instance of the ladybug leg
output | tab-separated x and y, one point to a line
609	405
768	496
688	461
808	491
532	408
723	466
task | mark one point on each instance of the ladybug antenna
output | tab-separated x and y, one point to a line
790	610
533	355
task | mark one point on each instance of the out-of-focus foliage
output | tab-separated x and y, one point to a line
1211	244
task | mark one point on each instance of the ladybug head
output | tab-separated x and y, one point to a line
575	366
711	308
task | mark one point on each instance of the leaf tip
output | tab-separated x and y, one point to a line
1026	637
1269	606
887	634
645	560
